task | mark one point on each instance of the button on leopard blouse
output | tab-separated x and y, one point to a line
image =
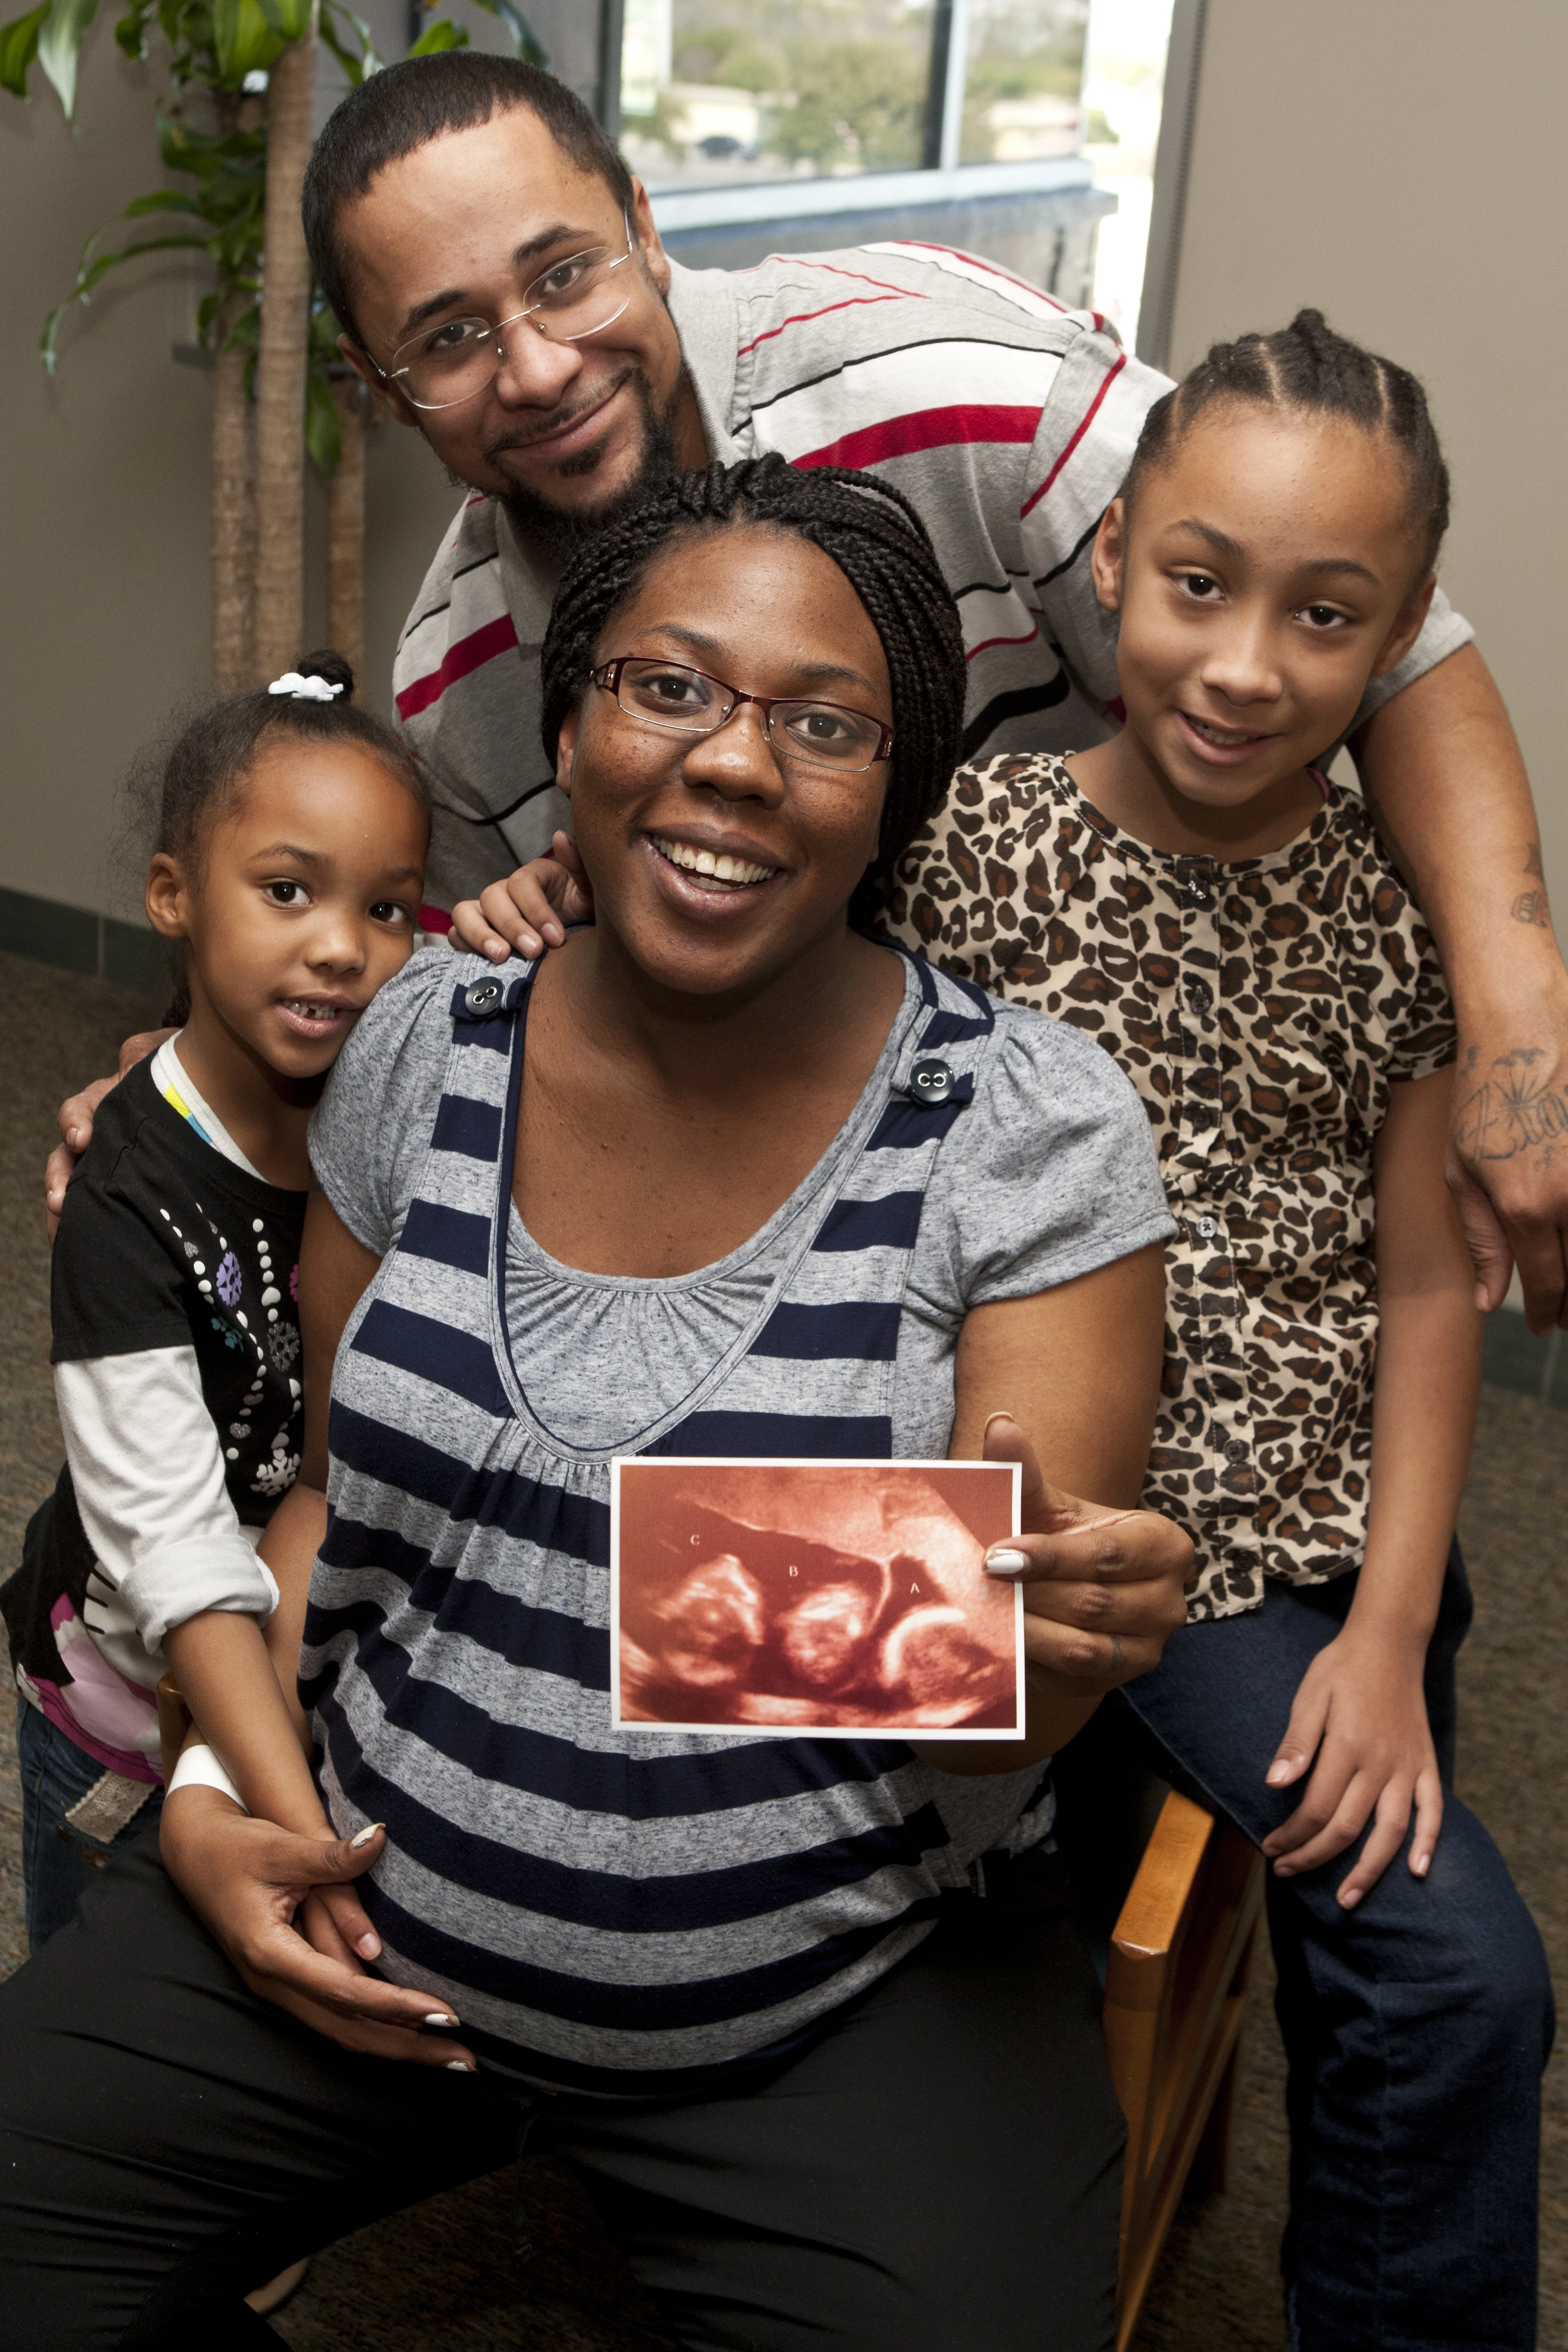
1263	1010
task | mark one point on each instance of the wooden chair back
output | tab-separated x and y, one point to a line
1175	1990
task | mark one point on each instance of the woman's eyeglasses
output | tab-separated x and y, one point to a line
444	365
689	702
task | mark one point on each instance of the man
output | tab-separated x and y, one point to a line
449	206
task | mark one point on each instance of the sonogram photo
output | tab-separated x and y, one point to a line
829	1596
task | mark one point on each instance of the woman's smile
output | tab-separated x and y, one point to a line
717	872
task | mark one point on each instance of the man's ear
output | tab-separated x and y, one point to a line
1109	555
655	260
1406	628
166	898
566	749
386	396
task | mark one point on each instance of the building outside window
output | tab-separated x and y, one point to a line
1016	128
726	92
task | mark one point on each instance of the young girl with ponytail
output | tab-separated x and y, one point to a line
289	831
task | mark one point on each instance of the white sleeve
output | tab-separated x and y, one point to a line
148	1472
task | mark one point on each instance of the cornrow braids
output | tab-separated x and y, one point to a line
884	551
1306	367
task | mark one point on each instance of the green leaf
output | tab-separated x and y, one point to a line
442	35
18	47
528	47
91	269
323	434
289	17
243	39
64	28
161	199
130	32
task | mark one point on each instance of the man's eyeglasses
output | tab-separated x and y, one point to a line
689	702
444	365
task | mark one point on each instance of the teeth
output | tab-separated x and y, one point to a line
736	871
1225	740
312	1012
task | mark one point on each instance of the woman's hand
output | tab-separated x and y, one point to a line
1103	1590
529	910
1367	1728
247	1879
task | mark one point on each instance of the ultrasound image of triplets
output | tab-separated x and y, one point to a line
769	1594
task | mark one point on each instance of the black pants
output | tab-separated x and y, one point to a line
939	2172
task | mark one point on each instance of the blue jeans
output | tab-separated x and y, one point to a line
1415	2026
58	1863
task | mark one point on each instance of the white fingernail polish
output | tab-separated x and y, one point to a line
1006	1562
437	2019
364	1837
460	2066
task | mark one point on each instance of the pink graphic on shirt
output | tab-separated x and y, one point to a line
102	1713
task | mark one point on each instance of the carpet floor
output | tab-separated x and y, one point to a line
441	2279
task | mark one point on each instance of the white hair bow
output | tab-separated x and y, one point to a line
304	690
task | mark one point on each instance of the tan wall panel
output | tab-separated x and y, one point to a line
1401	165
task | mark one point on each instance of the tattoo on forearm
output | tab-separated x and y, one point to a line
1531	905
1510	1112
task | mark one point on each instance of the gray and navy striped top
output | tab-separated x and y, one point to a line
616	1909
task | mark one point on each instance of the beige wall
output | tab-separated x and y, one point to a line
1401	165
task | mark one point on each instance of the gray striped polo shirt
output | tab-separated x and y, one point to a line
622	1909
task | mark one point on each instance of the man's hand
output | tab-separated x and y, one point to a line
1103	1591
1367	1729
75	1120
247	1879
529	910
1508	1159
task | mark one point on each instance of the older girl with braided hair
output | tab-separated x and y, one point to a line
808	2013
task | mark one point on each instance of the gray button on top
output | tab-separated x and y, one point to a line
932	1081
1235	1449
483	996
1207	1229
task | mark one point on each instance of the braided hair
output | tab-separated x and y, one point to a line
1307	367
884	551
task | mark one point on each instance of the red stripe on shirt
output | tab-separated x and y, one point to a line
469	654
986	643
923	244
925	429
799	317
1086	420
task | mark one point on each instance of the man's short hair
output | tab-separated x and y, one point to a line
405	106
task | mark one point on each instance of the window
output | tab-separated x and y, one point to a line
723	93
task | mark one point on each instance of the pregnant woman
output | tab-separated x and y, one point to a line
721	1175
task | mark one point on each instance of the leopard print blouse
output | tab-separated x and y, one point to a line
1262	1009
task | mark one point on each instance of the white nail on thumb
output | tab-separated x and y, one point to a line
460	2066
1006	1562
364	1837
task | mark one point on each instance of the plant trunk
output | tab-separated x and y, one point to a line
345	529
233	515
280	366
